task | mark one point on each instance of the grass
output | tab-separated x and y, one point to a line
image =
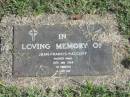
121	8
13	91
88	90
23	7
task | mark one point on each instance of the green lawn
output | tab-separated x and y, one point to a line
121	8
23	7
88	90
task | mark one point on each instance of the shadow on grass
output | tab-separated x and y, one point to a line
126	63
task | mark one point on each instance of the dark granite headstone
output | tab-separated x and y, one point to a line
60	50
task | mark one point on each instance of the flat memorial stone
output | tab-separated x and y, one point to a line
60	50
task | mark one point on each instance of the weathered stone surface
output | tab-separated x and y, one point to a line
111	35
60	50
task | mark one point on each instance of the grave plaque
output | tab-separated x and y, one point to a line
50	50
